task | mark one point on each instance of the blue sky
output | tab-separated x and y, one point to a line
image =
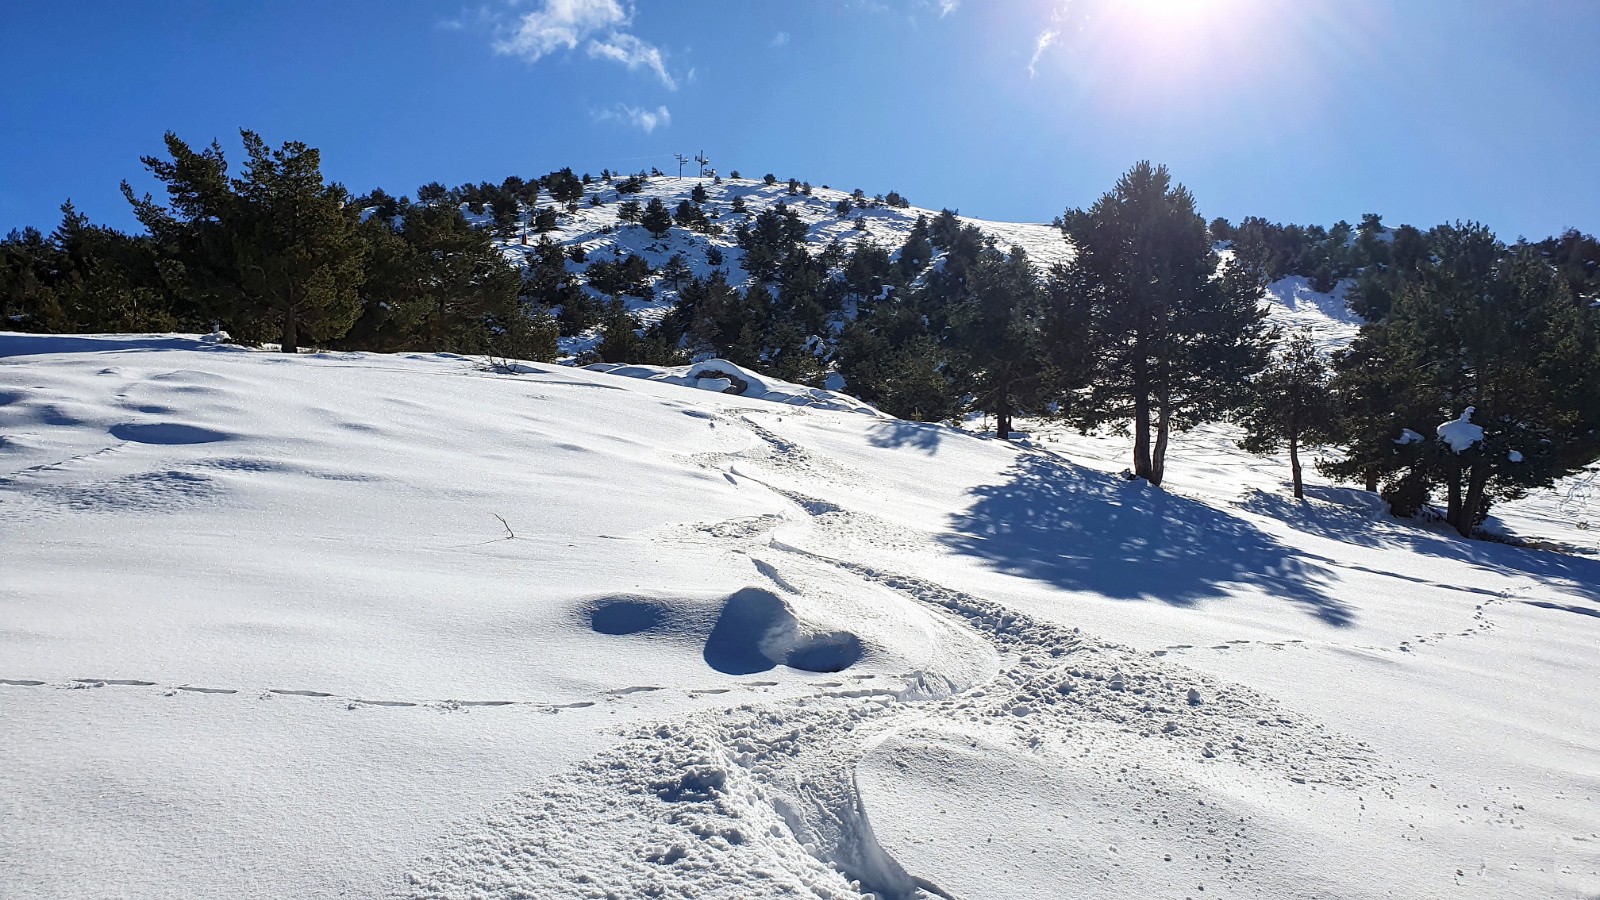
1297	110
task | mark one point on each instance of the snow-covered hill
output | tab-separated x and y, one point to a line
354	625
596	229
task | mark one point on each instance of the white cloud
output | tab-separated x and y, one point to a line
946	7
630	51
646	119
781	38
1046	38
559	24
601	25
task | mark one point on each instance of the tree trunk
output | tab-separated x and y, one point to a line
1452	512
1158	457
1294	466
291	334
1475	502
1372	480
1002	420
1141	434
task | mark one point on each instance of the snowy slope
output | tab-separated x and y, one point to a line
263	633
1291	302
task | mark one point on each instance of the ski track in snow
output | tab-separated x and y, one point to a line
761	798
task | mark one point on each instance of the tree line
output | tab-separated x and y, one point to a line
1150	327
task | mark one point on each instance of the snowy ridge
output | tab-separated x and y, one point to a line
356	625
723	377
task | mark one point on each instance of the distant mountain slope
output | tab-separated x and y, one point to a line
602	236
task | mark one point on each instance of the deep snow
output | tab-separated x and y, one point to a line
263	633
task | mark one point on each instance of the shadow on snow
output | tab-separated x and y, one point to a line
1081	530
895	434
1357	517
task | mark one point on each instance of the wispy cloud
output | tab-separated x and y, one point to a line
946	7
630	51
647	120
1045	39
600	25
781	38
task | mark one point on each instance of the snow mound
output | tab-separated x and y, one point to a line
754	630
723	377
757	631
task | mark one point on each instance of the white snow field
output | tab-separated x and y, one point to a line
354	625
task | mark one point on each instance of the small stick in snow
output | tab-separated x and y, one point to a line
509	533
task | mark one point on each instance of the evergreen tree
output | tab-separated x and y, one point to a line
656	219
675	270
1289	404
505	210
619	336
1173	340
432	192
279	238
1492	339
699	194
997	334
917	251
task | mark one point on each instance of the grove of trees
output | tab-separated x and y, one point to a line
1475	376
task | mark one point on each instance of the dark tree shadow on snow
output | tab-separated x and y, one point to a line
1358	517
37	344
898	434
1081	530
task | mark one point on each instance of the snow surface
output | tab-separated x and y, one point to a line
356	625
722	377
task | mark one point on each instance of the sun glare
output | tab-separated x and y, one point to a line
1127	49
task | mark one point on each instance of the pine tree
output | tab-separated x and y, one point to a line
279	238
997	334
1289	404
619	336
656	219
675	269
1172	339
699	194
1489	337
